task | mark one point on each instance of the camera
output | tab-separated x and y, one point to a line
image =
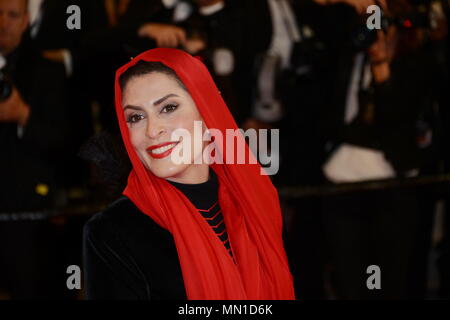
362	37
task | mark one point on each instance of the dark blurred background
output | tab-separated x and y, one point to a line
363	115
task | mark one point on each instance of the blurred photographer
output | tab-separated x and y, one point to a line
379	129
32	131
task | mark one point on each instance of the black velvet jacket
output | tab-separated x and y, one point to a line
128	256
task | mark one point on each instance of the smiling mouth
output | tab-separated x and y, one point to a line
161	151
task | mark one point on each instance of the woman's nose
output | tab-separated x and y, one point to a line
154	129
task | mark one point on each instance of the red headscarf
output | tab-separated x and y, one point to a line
248	200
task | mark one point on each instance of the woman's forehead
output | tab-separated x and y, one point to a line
151	86
154	79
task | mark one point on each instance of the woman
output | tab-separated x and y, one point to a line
153	243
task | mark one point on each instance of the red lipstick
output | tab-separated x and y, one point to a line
159	154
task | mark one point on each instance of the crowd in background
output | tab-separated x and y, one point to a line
353	105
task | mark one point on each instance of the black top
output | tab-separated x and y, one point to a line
129	256
204	196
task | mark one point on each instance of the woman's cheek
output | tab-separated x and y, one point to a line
180	123
133	138
137	140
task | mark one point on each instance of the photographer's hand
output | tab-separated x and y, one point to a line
56	55
14	109
194	45
205	3
381	53
165	35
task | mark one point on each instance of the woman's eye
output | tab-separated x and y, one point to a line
169	108
135	118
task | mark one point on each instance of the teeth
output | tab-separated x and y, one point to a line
163	149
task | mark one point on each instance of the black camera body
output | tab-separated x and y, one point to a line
363	37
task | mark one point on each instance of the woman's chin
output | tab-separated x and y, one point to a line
166	171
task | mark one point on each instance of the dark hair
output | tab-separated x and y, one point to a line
111	165
145	67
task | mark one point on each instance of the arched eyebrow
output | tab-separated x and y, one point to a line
156	103
159	101
129	106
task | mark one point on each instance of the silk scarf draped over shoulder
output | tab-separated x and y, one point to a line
249	203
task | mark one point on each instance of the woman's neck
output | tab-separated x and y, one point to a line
195	174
